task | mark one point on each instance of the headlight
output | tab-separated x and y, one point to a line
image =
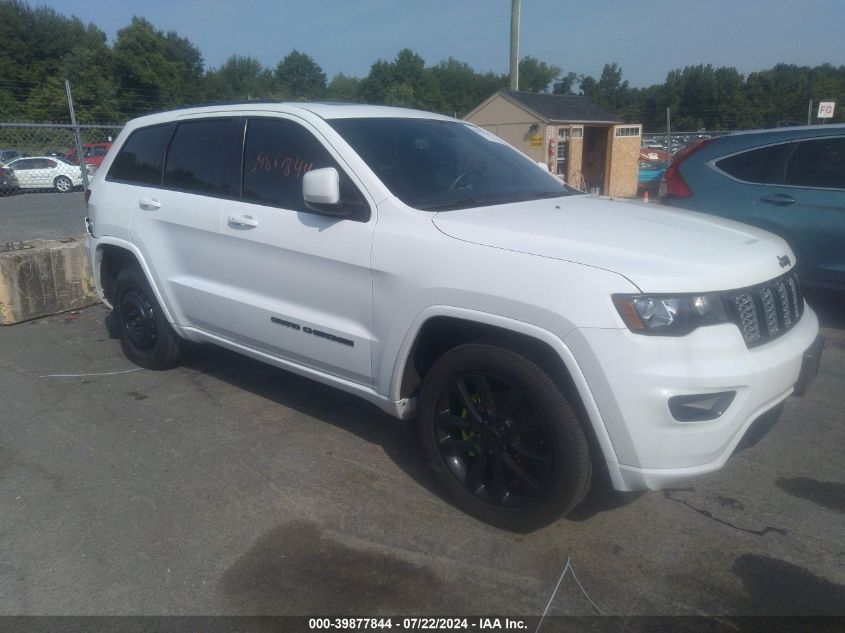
668	315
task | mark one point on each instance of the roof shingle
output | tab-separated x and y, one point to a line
562	107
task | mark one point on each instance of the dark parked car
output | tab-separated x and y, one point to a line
790	181
8	155
8	181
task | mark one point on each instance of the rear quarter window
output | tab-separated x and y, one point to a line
760	166
141	159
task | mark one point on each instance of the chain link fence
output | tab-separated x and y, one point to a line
44	156
657	151
672	143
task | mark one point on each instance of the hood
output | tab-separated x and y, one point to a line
660	250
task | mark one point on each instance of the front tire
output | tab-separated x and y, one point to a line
63	184
145	335
501	438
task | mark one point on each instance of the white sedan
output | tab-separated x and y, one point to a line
46	172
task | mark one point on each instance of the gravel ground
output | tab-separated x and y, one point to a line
225	486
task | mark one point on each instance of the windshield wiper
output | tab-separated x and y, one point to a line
461	203
452	203
549	194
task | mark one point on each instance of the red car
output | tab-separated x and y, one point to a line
653	154
94	153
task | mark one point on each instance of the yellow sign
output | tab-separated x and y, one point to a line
536	141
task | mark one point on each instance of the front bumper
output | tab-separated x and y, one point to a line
632	378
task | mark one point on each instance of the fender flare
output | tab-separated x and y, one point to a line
96	257
519	327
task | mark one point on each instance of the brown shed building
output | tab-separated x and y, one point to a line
586	145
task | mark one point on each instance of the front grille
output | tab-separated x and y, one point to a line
766	311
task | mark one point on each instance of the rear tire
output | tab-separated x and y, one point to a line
145	335
63	184
501	438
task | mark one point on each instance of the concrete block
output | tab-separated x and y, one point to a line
43	277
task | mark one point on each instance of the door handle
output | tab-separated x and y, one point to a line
242	222
778	199
149	204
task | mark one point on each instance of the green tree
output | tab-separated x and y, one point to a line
535	76
156	69
589	88
41	48
730	100
565	85
612	91
94	93
460	88
402	82
301	76
241	78
373	87
647	106
344	89
147	69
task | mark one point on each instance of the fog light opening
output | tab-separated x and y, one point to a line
700	407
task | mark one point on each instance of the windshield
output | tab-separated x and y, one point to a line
441	165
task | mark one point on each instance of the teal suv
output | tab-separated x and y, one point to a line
790	181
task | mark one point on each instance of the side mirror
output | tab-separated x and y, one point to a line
321	191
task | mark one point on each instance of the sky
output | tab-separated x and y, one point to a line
647	38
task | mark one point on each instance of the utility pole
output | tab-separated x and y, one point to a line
668	137
810	112
82	167
515	44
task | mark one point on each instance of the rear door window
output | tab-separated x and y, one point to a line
141	159
197	158
819	163
758	166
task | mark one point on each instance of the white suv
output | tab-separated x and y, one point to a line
421	263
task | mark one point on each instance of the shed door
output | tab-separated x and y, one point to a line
562	150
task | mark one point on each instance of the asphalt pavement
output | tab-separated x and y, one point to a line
225	486
41	215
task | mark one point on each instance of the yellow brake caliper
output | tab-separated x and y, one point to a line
470	435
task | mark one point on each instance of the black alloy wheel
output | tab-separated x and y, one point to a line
501	438
493	439
138	319
146	337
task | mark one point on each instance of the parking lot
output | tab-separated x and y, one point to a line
229	487
41	216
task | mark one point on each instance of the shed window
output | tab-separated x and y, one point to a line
634	130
